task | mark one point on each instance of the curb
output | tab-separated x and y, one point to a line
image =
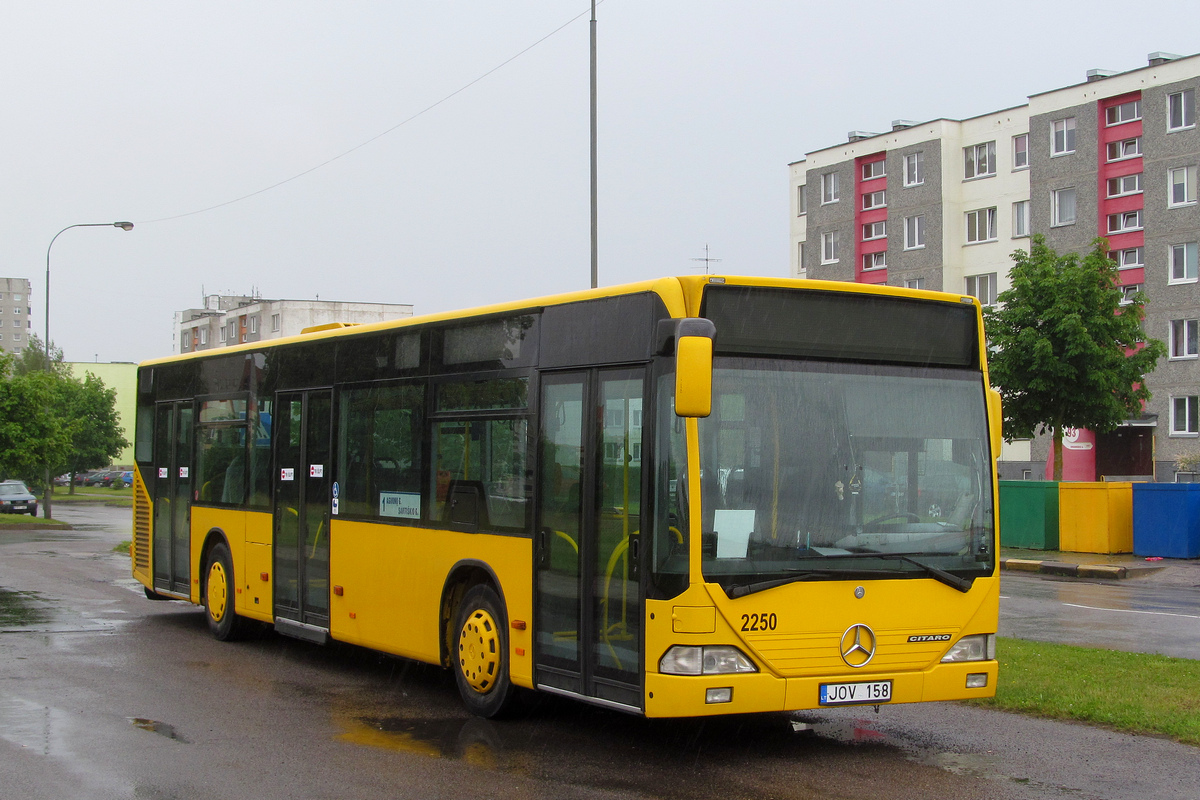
1063	569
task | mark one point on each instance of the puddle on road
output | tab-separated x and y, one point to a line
161	728
22	610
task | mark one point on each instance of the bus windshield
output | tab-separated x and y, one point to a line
815	469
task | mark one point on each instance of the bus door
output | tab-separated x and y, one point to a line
173	497
589	604
303	500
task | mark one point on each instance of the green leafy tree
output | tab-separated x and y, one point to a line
34	431
1065	352
94	425
33	358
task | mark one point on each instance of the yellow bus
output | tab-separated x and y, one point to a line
687	496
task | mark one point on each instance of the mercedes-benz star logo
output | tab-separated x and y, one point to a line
858	646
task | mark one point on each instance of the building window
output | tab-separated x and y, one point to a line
1181	110
185	339
874	261
914	232
274	322
18	298
829	188
1062	140
1021	151
1125	112
1183	338
1181	183
1127	221
16	337
254	324
801	201
1183	263
980	160
16	323
875	169
981	225
829	247
874	230
1128	258
1020	218
17	310
914	169
982	287
1126	184
914	283
873	200
1126	148
1063	207
204	336
801	253
1128	291
1185	415
221	333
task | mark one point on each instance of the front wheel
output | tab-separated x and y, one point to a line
223	621
481	654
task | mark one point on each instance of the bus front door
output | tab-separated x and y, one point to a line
303	500
588	621
173	497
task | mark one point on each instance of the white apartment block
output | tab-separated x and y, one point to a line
227	320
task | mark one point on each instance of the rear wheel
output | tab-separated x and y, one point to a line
481	654
223	621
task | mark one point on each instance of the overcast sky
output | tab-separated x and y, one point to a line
147	111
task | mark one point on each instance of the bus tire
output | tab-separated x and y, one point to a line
480	657
223	621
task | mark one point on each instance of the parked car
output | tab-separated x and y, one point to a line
97	478
122	480
15	498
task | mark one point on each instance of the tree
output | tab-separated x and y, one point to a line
94	427
33	358
33	428
1065	352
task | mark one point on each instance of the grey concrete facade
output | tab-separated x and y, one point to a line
16	307
904	202
825	218
1077	170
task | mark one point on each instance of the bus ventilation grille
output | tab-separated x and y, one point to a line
141	526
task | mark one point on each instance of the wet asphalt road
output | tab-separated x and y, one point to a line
104	694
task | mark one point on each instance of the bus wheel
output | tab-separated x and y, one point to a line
218	594
481	654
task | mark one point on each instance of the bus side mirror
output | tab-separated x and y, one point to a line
995	422
693	367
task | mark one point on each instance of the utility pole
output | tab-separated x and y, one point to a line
595	250
707	260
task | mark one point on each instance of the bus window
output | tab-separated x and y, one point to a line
379	452
669	555
478	473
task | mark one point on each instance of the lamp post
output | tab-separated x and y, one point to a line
125	226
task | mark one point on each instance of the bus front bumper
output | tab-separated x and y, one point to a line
694	695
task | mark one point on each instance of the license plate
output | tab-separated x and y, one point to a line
869	692
20	507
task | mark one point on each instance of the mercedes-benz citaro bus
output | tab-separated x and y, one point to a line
688	496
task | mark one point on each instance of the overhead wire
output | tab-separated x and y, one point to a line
378	136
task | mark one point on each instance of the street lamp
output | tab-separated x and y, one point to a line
125	226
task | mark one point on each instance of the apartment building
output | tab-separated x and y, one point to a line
941	205
16	306
227	320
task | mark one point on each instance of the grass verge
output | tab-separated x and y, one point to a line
26	521
1130	692
123	547
91	495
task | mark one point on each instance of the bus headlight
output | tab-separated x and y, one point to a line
707	660
980	647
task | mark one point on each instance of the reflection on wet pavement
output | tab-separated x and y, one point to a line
21	610
154	726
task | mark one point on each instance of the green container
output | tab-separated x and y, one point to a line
1029	514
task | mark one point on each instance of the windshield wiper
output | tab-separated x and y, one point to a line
951	580
741	590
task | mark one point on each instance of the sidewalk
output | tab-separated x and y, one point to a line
1099	565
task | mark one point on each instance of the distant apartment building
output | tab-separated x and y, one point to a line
15	309
940	205
227	320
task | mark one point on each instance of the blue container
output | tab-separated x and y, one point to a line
1166	520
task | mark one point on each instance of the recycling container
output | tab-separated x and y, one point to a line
1029	514
1095	517
1166	520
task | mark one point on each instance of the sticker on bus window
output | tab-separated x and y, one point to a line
316	470
183	472
287	474
406	505
164	472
